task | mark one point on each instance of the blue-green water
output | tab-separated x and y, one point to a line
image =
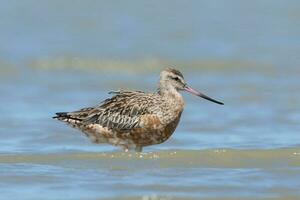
64	55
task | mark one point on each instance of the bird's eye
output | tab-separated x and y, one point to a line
175	78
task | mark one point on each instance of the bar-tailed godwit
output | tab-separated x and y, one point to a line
135	119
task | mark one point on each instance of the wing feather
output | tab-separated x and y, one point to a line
122	111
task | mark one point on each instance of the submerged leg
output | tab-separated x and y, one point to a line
125	148
138	148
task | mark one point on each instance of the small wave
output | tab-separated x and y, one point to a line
214	158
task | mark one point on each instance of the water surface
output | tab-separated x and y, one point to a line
65	55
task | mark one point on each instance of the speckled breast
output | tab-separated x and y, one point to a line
154	134
168	130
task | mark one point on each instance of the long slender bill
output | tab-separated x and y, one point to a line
194	92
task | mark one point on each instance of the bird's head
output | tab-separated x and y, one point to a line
172	80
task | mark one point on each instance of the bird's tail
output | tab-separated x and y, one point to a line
73	118
60	115
68	118
64	115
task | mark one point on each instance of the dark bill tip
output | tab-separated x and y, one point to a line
210	99
194	92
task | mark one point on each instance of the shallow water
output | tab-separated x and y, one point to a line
247	149
64	55
226	173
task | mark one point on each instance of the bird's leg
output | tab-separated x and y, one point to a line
125	148
138	148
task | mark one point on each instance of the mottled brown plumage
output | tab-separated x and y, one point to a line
134	119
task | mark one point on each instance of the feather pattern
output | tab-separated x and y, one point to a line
122	111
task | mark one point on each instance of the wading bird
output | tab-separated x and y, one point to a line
135	119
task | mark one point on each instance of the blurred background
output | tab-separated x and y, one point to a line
65	55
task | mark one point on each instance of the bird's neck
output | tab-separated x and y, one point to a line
168	92
173	97
171	106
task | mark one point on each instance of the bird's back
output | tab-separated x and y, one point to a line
121	111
